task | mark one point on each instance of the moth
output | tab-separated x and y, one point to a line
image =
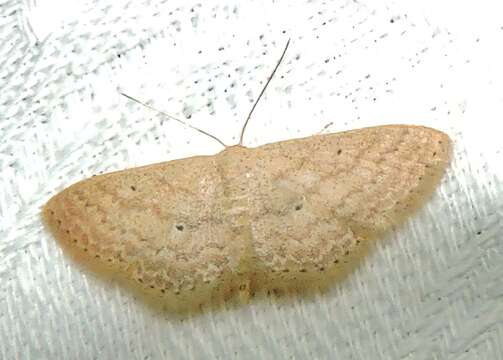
279	215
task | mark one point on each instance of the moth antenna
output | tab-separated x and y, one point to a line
325	128
262	93
174	118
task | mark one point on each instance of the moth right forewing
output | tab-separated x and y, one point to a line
346	186
292	231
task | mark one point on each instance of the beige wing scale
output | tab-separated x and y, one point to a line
318	198
161	225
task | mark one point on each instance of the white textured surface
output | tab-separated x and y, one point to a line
431	290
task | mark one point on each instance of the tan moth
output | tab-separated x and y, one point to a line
277	216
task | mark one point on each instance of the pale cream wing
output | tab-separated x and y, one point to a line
314	199
161	224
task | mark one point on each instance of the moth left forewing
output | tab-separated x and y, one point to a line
159	225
